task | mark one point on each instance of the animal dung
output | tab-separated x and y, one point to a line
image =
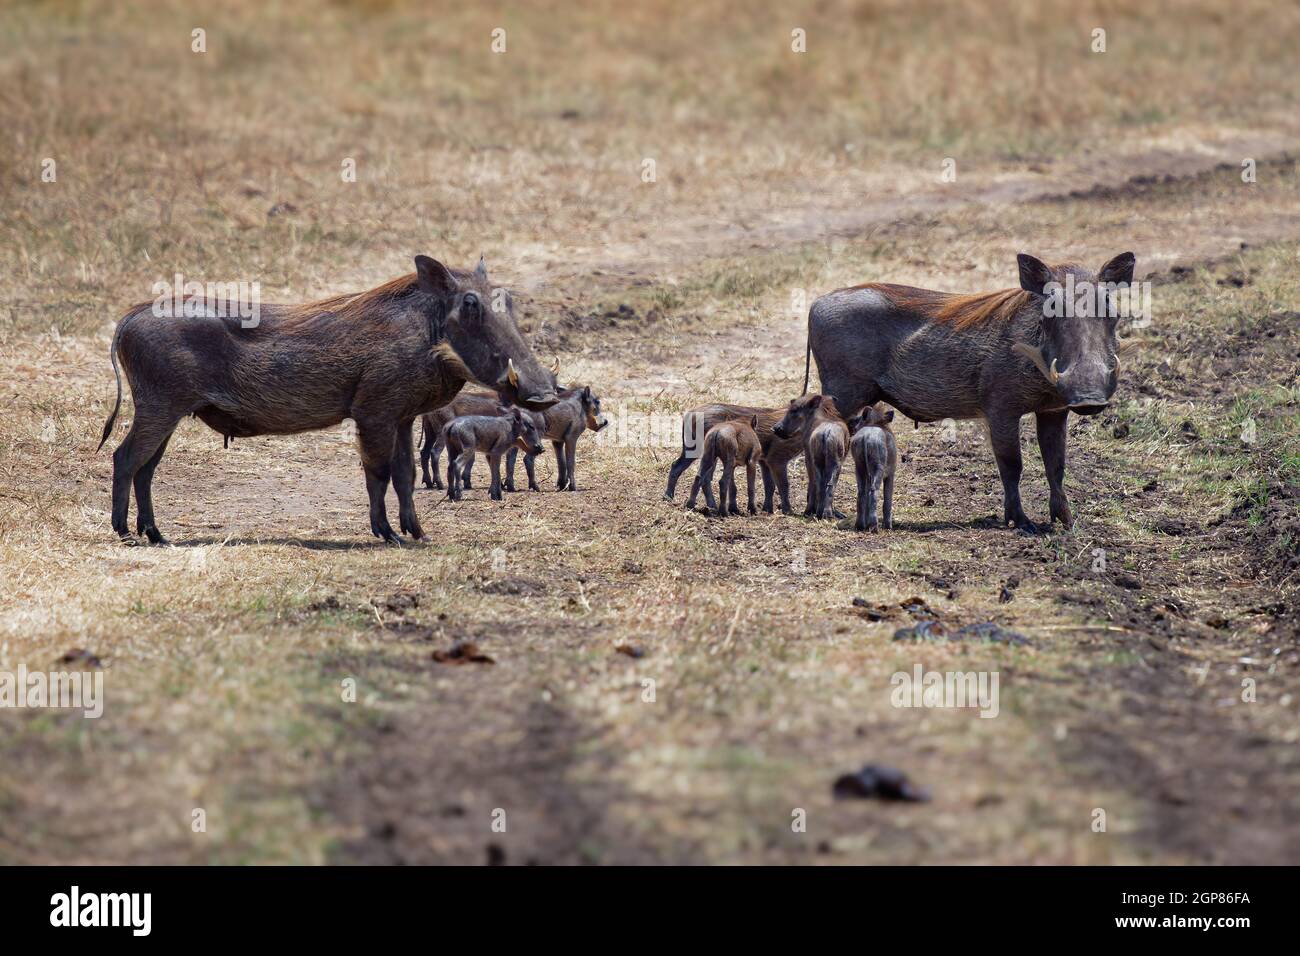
875	781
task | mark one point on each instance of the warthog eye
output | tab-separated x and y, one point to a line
470	303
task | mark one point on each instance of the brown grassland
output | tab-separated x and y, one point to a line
776	172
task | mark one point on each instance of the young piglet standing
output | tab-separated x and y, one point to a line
875	456
731	443
826	444
492	435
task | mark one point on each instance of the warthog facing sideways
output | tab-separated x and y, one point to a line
776	452
382	358
875	459
492	435
996	356
432	424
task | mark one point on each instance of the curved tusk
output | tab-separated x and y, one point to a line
1115	356
1036	356
512	376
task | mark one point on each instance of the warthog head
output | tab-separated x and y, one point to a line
591	408
1077	350
524	430
871	415
798	414
480	328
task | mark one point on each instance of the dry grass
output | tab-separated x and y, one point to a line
226	653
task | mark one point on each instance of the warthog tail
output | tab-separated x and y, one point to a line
112	354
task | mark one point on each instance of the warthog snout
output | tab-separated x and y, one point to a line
1087	386
1090	407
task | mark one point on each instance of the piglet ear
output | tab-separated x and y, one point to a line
889	415
1119	269
433	277
481	272
1034	274
817	401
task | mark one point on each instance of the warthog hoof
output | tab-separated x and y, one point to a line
155	536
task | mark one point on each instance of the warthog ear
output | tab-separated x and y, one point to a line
433	277
1119	269
481	271
586	393
1034	274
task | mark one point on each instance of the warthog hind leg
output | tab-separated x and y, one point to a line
140	452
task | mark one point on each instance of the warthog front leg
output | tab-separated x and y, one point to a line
1004	434
778	474
512	454
679	467
530	463
750	482
888	518
1051	442
378	443
494	488
403	471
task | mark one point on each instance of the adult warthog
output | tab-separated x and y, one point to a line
996	356
382	358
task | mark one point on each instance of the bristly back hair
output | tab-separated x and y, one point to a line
961	311
354	305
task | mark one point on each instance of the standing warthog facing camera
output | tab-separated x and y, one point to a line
382	358
996	356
